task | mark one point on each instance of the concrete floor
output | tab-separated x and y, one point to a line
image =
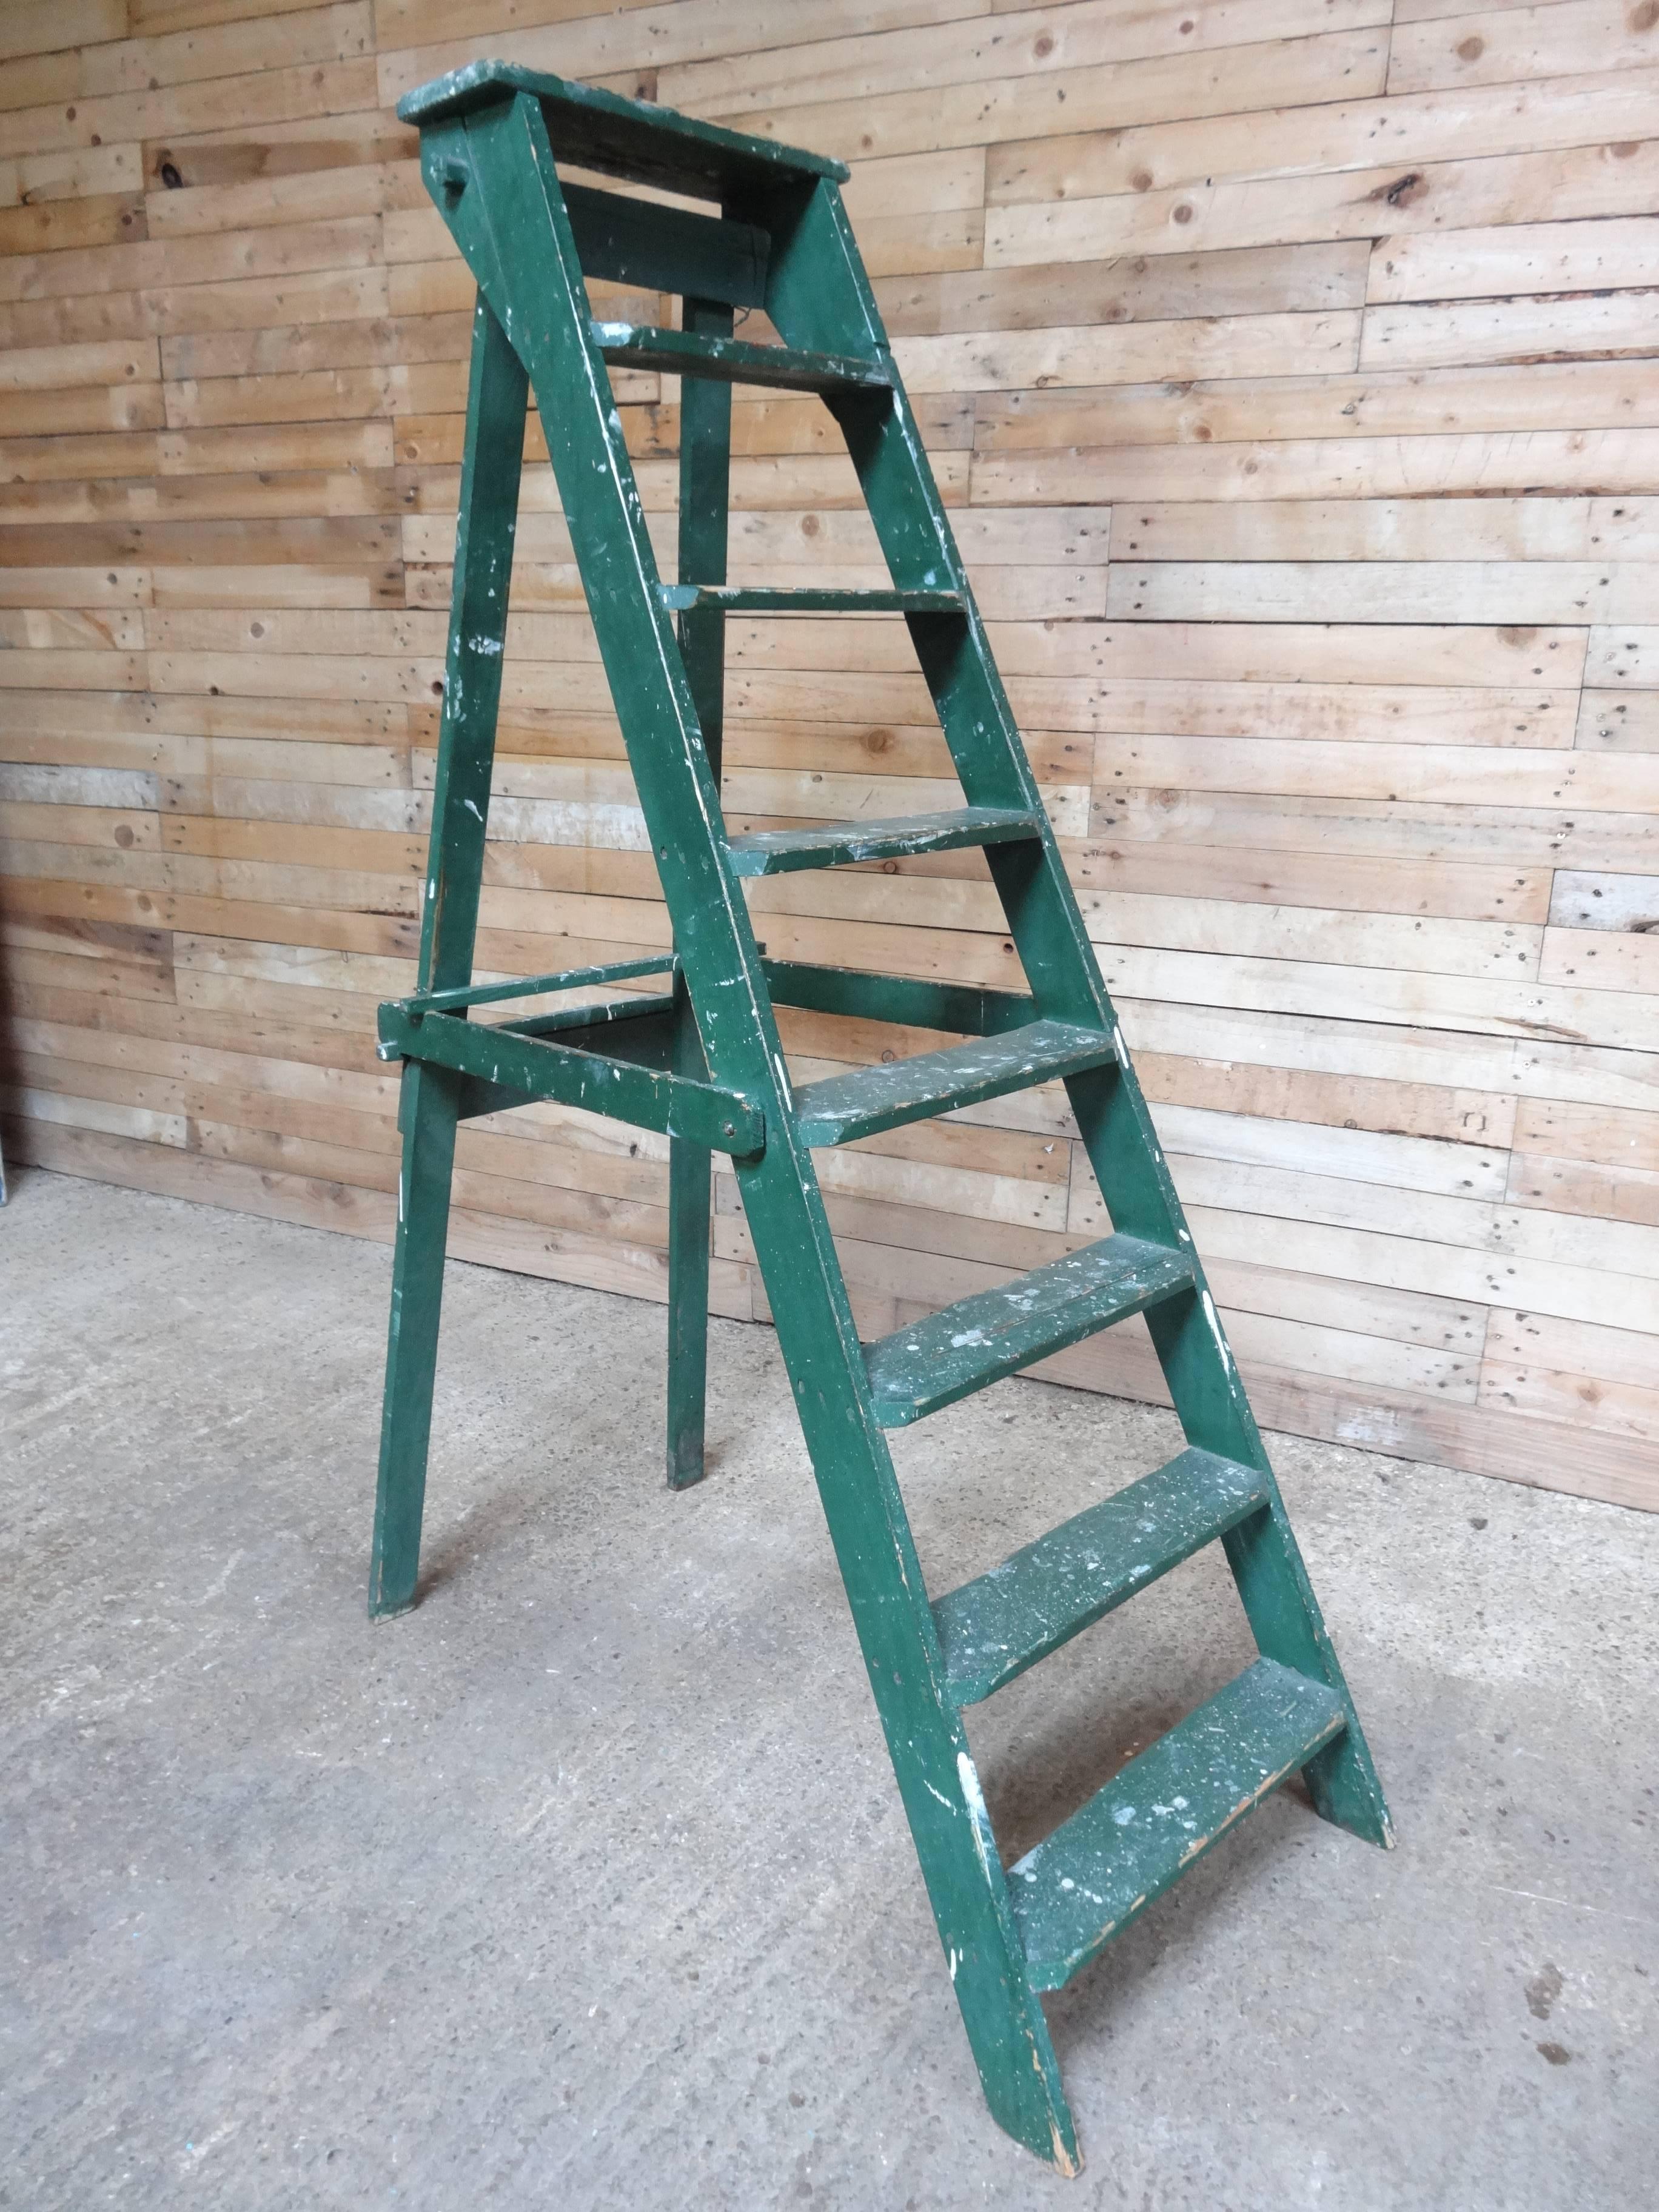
585	1884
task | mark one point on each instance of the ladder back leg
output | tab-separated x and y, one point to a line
497	403
705	473
426	1110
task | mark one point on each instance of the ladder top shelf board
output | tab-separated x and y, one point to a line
622	137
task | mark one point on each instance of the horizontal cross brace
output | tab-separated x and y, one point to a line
533	986
508	1067
847	844
665	249
734	360
959	1009
767	599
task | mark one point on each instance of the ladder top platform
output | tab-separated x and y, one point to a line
621	137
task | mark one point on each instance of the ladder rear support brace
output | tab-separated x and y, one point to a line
705	479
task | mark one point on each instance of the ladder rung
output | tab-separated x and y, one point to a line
734	360
891	1092
842	844
743	599
1135	1837
1038	1599
951	1354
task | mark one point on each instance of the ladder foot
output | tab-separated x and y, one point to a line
1346	1791
1041	2123
686	1463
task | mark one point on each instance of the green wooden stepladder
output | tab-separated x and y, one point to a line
700	1058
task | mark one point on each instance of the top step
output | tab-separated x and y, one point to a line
622	137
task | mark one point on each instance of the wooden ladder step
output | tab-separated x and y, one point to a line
889	1093
953	1353
734	360
764	599
1039	1598
621	137
842	844
1138	1834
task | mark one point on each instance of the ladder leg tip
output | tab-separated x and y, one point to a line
686	1469
1065	2157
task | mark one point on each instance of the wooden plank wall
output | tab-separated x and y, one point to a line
1288	367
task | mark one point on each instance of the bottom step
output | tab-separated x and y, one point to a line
1095	1875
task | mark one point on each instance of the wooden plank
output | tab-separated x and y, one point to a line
1581	325
1501	46
1544	256
1313	139
859	68
1105	96
1255	345
1576	182
1543	592
1348	744
595	47
1321	411
42	27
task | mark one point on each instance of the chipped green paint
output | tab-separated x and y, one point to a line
532	987
734	360
993	1628
912	1001
664	249
704	528
918	1369
428	1103
889	1093
805	599
1164	1811
844	844
599	1083
633	139
704	1061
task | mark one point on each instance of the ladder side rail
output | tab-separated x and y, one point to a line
816	289
430	1098
497	403
816	294
704	503
508	220
1215	1415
